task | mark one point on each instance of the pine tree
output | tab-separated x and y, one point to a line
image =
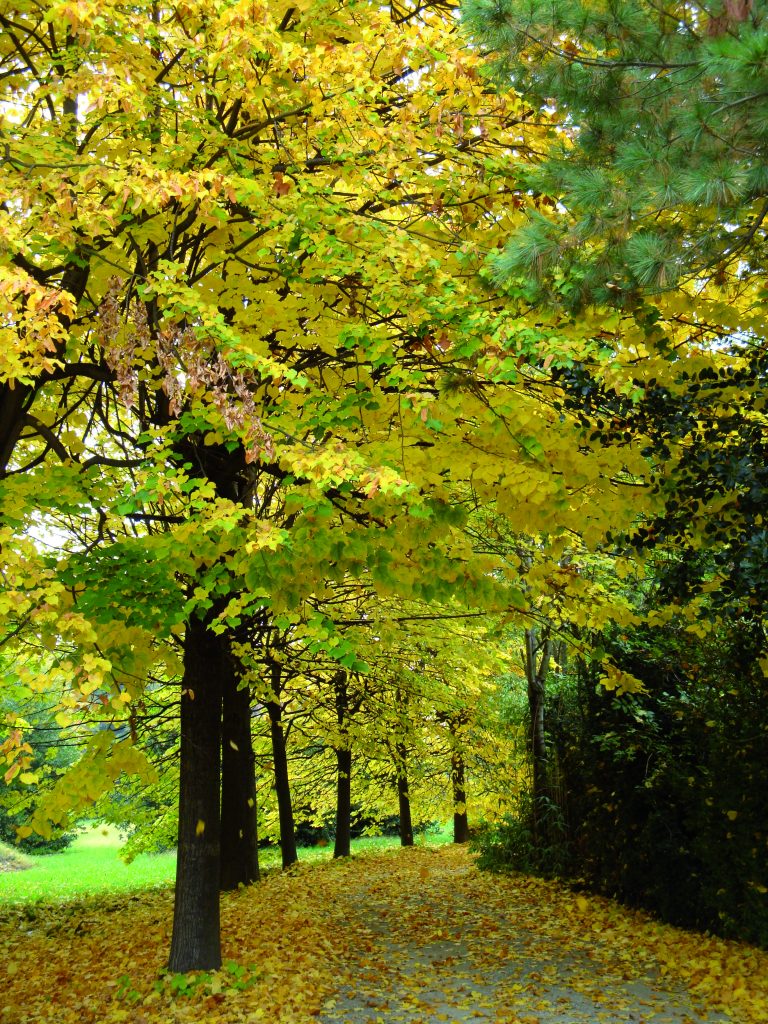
660	176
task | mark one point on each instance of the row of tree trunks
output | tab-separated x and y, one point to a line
217	793
217	801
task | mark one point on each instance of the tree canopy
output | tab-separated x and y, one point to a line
660	159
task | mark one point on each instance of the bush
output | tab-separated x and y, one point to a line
34	844
669	787
511	844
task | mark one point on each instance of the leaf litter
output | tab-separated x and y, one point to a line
416	935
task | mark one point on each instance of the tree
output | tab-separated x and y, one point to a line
399	750
661	159
656	200
256	256
536	658
660	202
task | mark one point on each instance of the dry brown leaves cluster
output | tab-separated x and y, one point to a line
417	935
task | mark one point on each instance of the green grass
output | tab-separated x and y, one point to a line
92	865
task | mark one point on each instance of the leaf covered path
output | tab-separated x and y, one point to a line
417	935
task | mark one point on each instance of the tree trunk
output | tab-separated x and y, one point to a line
343	768
195	941
341	847
537	657
403	796
282	781
239	840
15	398
455	720
460	819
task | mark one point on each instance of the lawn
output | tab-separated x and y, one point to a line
92	865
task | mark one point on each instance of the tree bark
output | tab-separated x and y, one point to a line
282	780
538	652
403	796
15	398
239	838
460	818
195	943
458	778
341	846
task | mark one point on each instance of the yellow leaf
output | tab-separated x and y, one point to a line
621	682
200	827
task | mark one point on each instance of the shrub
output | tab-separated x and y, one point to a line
34	844
512	843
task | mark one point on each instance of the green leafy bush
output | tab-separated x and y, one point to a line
512	843
34	844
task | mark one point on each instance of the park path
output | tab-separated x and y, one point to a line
437	941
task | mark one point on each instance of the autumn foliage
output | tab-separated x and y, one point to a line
324	942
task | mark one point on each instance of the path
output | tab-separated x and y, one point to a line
459	947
